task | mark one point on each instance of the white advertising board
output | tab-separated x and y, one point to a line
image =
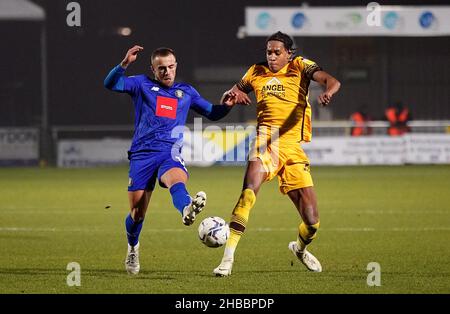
19	146
382	20
87	153
231	148
428	148
380	150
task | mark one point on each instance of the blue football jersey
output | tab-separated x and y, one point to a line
160	111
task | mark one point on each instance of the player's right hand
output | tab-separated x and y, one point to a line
131	55
235	96
242	98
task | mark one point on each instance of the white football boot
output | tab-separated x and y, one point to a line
309	260
194	208
132	261
224	269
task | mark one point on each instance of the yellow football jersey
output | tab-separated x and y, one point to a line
282	97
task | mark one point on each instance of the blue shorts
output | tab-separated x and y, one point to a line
143	172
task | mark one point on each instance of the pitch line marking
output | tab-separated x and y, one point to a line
343	229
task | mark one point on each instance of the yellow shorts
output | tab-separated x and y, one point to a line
288	162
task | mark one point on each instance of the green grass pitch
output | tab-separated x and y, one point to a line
398	217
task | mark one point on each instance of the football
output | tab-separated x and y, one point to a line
213	231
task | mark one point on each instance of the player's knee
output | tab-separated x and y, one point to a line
137	214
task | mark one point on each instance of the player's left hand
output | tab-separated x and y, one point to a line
325	98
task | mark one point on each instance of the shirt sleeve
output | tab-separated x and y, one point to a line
118	82
308	67
245	84
207	109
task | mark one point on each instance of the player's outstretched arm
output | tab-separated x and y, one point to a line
131	56
331	84
217	112
235	96
115	80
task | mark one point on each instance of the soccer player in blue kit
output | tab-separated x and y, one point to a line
161	107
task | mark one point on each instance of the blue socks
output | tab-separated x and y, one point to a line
133	230
180	196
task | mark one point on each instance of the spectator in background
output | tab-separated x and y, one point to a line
360	119
398	116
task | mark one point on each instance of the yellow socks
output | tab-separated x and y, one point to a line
306	233
239	221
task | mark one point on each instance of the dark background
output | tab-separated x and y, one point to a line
414	70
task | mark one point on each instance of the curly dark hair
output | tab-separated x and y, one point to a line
288	42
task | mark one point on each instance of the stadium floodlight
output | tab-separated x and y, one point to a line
242	32
124	31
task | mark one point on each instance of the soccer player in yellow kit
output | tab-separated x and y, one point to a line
284	121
